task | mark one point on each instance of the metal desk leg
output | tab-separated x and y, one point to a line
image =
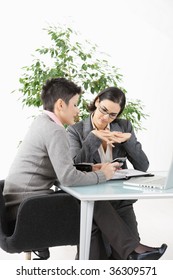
86	219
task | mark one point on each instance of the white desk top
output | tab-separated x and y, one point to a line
115	190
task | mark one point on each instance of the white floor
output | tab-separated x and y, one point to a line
155	226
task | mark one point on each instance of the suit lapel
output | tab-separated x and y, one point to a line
87	128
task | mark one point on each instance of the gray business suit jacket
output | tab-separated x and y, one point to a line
42	158
84	144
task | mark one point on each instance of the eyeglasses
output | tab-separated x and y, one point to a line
104	111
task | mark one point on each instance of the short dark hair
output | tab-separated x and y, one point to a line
113	94
56	88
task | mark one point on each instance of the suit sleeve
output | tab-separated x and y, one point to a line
57	146
134	151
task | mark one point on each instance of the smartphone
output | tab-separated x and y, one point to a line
119	159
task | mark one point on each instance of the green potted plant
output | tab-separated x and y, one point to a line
79	61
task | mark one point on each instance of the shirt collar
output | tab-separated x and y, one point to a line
53	117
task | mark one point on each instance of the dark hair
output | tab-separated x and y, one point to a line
111	93
58	88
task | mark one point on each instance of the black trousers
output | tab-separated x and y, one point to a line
114	230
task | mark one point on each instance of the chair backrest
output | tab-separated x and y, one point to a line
3	222
42	221
1	185
2	206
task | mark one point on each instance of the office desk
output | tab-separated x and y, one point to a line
112	190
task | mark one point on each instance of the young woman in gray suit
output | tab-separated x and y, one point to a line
100	138
43	156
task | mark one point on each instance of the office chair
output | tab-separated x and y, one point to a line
42	221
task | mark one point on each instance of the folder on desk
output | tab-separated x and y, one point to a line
126	174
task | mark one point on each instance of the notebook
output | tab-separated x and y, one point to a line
159	182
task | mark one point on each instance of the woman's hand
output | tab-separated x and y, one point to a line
104	135
109	169
98	166
111	137
121	136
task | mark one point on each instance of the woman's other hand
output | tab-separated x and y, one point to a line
109	169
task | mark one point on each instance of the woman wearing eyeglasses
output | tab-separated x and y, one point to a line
100	138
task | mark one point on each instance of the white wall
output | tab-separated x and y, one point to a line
138	36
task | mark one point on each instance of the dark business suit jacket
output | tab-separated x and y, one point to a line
120	224
84	144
